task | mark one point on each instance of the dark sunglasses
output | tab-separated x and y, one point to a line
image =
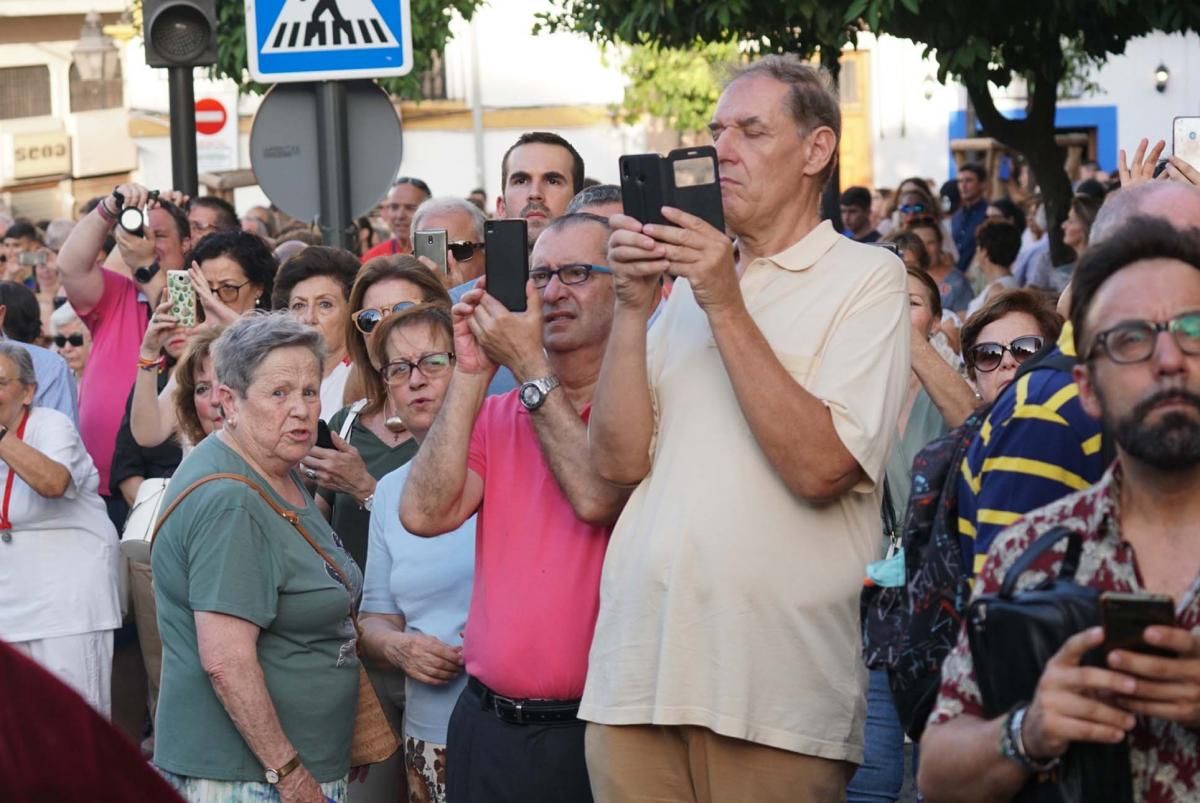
75	340
912	209
367	319
987	357
463	251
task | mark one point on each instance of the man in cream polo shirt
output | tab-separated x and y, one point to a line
755	419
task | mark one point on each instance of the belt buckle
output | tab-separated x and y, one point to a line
517	705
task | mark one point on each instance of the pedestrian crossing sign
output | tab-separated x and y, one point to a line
327	40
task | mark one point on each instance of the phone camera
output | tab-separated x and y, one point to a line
1191	135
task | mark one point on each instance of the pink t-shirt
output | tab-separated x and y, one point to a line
537	566
117	323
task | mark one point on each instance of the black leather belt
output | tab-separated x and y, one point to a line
524	712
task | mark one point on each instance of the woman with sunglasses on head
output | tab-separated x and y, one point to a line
1009	329
417	590
369	436
314	286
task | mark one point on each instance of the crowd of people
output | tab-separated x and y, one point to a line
611	547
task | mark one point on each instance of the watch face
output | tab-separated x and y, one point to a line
531	396
272	776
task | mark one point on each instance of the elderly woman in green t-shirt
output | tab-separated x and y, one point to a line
259	674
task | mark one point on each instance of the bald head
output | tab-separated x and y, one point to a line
1173	201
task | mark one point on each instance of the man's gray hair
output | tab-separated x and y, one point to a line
241	349
20	358
1147	198
449	203
596	195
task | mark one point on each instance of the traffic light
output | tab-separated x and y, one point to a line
180	33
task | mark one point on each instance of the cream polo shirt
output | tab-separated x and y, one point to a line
725	601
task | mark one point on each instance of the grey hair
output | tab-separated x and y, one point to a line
812	102
449	204
63	316
242	347
1126	202
20	358
595	195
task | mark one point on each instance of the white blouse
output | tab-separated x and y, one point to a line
58	570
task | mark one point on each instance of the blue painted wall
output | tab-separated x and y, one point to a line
1102	118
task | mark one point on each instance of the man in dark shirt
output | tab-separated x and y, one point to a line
856	215
972	187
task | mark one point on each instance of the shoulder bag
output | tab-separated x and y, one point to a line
374	739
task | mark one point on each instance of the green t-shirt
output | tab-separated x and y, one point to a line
350	521
224	550
925	425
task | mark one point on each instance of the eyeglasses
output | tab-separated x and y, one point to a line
200	228
912	209
397	372
567	274
1135	341
75	340
463	251
228	292
366	320
986	357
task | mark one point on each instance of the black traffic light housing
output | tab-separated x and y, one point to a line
180	33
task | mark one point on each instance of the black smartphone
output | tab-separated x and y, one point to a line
687	179
324	437
432	244
1126	617
507	244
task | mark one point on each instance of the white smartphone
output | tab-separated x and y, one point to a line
1186	140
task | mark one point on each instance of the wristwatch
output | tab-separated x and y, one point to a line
533	393
275	776
368	502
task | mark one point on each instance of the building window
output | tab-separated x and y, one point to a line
88	96
24	92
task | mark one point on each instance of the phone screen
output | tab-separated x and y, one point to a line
432	244
1186	140
507	245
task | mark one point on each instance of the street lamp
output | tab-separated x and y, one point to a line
1161	76
96	57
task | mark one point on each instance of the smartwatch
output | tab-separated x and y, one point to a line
144	274
533	393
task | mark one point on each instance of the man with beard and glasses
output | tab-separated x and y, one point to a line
1038	444
1136	317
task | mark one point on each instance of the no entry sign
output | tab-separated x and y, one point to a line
210	116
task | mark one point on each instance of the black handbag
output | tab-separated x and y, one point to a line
1012	636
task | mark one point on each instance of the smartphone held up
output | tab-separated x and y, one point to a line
686	178
507	269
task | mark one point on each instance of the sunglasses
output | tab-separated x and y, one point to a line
986	357
367	319
912	209
75	340
463	251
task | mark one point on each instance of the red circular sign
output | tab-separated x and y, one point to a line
210	116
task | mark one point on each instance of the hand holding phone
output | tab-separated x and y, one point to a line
183	297
324	436
1185	140
686	178
507	244
1126	617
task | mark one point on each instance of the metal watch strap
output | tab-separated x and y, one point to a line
1012	743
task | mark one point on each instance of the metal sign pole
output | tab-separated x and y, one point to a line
183	131
333	159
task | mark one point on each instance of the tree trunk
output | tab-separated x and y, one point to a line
1033	138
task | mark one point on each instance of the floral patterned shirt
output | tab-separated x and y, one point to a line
1165	756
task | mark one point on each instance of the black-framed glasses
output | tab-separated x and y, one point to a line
986	357
1135	341
437	363
75	340
567	274
228	292
464	251
365	320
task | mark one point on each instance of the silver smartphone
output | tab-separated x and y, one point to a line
1186	140
432	244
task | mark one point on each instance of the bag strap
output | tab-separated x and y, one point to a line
1039	547
288	515
351	414
887	513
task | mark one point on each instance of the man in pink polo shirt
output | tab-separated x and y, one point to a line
521	460
116	309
